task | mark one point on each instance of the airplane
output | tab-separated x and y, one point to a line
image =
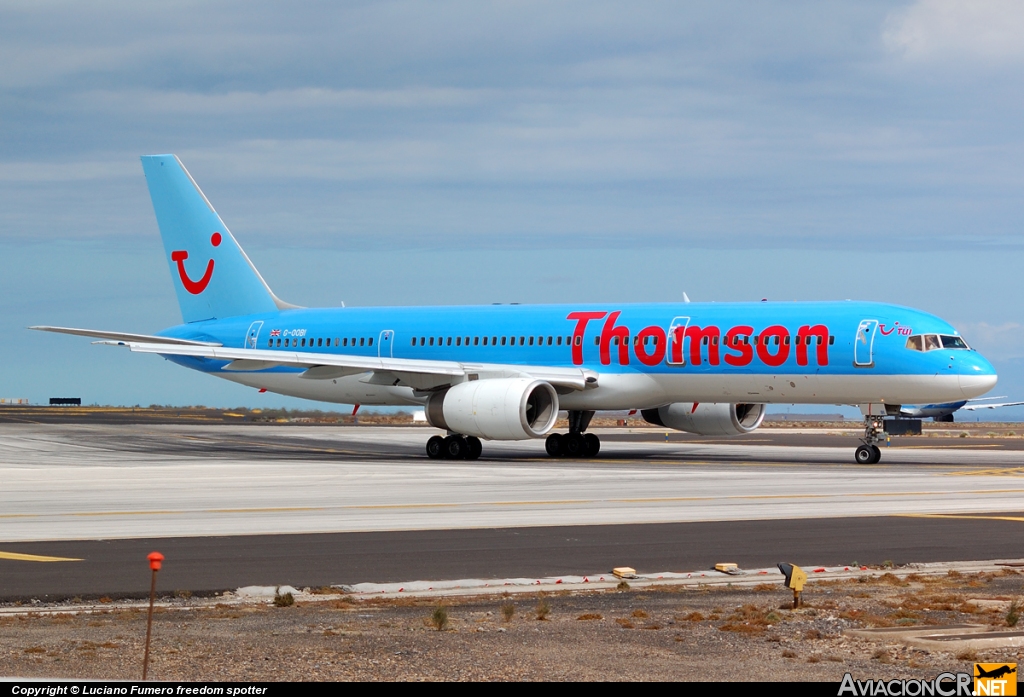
944	412
503	372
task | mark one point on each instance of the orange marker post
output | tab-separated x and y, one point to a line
155	561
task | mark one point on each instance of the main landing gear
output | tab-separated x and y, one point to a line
454	447
575	443
874	432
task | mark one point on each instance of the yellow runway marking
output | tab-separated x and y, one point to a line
552	502
32	557
954	516
999	472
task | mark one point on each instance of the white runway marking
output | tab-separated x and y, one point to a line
87	482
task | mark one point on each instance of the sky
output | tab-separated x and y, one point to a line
465	152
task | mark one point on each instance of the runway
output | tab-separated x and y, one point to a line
240	505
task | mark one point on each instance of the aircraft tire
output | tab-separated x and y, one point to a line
876	455
435	448
455	448
474	447
593	444
553	444
573	445
864	455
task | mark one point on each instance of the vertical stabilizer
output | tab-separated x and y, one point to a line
212	276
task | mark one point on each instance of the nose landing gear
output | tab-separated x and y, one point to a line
575	443
874	432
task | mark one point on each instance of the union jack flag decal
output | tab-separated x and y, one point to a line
275	332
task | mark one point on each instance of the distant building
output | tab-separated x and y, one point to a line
65	401
13	400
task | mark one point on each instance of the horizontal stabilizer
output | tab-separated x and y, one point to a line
124	337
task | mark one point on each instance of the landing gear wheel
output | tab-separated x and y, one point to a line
473	447
574	445
553	444
455	448
593	444
867	455
863	455
435	448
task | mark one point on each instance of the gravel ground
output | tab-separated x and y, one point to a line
666	633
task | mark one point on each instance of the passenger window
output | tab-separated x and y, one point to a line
270	343
550	340
531	341
303	341
522	341
579	340
502	341
559	341
476	341
423	341
286	342
467	341
597	341
449	341
413	342
915	343
431	341
320	341
278	342
458	341
485	341
831	340
370	342
344	342
362	341
931	342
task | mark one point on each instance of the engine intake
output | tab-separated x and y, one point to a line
498	409
707	419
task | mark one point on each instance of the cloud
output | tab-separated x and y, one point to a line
1002	341
990	31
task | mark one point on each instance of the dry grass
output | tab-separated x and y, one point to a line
750	619
590	616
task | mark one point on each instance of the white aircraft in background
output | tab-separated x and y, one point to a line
944	412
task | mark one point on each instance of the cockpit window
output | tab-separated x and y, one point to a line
934	342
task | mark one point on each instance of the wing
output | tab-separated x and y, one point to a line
975	407
122	337
415	373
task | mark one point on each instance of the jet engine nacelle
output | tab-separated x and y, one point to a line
707	419
498	409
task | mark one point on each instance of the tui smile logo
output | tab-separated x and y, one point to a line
195	287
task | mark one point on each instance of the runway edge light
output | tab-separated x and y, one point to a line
155	562
795	580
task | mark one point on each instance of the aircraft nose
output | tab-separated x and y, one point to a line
977	376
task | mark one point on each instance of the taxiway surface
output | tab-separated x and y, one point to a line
239	505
